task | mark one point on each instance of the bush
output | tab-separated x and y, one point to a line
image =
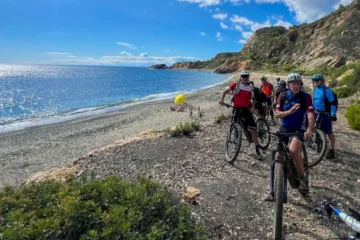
184	129
95	209
344	92
221	117
353	116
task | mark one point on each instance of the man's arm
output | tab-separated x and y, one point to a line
279	113
310	114
224	94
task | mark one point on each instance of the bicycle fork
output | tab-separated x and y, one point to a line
272	177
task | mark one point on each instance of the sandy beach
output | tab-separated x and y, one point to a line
25	152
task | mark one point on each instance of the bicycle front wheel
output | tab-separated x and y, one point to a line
263	136
233	143
279	198
305	159
316	146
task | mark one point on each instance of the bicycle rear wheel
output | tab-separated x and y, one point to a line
263	137
316	146
233	143
279	198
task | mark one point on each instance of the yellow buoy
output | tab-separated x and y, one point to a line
180	99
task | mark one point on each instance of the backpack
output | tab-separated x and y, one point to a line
327	103
259	95
302	100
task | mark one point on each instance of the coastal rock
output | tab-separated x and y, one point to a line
55	174
159	66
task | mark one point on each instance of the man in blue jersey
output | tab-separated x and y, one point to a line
324	101
294	107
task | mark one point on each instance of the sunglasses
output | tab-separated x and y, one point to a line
245	76
316	80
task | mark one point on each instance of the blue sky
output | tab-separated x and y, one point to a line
140	32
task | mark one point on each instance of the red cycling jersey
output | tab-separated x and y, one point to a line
242	95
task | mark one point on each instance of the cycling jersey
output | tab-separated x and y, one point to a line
319	99
267	88
242	95
298	120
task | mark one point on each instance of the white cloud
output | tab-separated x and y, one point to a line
224	26
203	3
143	55
220	16
247	35
202	34
217	9
267	1
237	2
166	50
58	53
126	45
241	20
309	10
123	60
71	56
218	36
283	23
239	28
255	26
242	41
126	53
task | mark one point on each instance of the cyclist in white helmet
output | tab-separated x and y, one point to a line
294	107
242	100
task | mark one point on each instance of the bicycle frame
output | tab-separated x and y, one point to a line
241	123
351	220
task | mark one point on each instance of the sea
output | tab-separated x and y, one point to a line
33	95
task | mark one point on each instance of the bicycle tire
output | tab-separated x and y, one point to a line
279	197
319	136
306	162
268	139
234	127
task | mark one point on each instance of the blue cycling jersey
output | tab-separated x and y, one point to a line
319	99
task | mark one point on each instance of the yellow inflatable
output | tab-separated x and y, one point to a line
180	99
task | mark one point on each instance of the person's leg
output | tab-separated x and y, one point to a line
250	122
269	105
294	148
326	127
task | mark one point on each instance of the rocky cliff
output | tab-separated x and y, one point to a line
330	41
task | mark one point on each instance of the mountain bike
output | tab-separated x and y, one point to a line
237	130
352	219
317	144
283	171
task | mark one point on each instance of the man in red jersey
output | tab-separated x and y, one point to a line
243	106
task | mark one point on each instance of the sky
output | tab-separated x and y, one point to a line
140	32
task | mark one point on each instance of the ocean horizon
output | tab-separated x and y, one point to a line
35	95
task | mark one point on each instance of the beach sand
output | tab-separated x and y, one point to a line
25	152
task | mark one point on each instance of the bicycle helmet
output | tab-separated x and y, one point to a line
277	79
251	82
244	73
263	78
282	83
317	77
294	77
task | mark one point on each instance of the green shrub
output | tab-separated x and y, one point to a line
344	92
353	116
95	209
184	129
221	117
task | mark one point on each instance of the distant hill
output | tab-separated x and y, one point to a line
330	41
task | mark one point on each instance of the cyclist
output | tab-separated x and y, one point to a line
259	97
294	107
277	84
267	88
281	88
242	100
320	93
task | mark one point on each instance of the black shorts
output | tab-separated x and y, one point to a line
260	108
246	115
286	139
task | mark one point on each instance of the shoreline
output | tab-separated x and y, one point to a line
41	148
